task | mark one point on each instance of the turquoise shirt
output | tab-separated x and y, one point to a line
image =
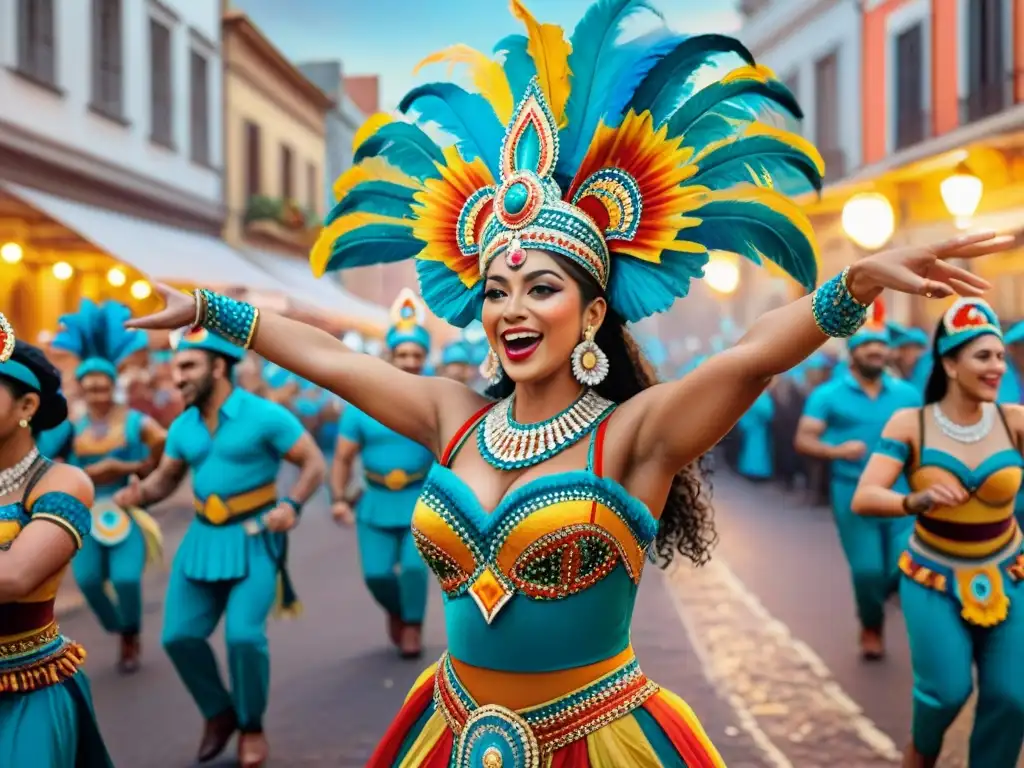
131	448
755	459
849	413
252	437
383	450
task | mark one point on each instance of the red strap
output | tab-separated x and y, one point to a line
599	447
459	436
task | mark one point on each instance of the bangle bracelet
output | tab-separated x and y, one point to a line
292	503
837	312
232	320
197	323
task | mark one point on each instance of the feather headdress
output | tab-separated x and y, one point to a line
407	318
617	155
97	337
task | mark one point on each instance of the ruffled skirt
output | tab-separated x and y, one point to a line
621	720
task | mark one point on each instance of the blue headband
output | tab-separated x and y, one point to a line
12	369
95	365
867	335
456	353
965	321
417	334
209	342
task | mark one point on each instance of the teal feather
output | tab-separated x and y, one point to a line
639	289
406	147
468	117
742	93
518	65
374	244
751	229
639	57
595	61
670	82
97	331
383	197
729	119
447	297
772	162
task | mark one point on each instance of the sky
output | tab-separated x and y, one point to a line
389	37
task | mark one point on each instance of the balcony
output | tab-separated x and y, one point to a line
281	222
987	99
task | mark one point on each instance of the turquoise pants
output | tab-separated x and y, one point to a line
872	547
943	650
51	727
193	610
122	566
383	551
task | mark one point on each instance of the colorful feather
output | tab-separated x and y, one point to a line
486	74
709	97
98	332
517	65
360	239
550	53
372	169
404	146
373	124
381	197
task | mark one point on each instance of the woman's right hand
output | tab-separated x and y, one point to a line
179	311
934	497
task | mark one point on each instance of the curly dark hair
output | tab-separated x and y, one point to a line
687	522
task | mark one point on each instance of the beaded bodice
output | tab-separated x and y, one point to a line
545	581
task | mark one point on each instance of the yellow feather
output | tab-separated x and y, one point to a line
320	254
757	74
372	169
373	124
550	52
487	75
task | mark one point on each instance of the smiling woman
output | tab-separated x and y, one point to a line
588	182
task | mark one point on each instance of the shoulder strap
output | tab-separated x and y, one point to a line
1006	426
920	428
459	438
595	462
41	469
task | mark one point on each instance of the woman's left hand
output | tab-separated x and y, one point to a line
926	271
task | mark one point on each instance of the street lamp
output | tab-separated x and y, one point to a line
868	220
722	272
11	253
961	194
63	271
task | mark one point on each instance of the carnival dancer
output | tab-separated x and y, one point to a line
842	421
909	345
232	560
394	468
111	443
595	207
46	714
963	568
457	362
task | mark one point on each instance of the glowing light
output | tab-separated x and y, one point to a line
868	220
11	253
722	272
961	193
116	277
63	271
141	290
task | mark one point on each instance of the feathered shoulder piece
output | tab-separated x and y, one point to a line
631	157
97	332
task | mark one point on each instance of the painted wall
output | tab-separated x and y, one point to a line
63	116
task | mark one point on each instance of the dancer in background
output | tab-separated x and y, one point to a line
909	346
961	594
843	420
232	561
394	468
755	456
46	714
112	443
457	363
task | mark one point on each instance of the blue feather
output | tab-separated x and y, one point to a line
518	65
98	332
728	119
638	288
741	93
468	117
406	147
670	82
383	197
445	294
373	244
595	61
760	159
639	56
751	229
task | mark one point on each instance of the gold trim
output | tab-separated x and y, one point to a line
218	510
396	479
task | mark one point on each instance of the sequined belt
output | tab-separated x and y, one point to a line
396	479
976	585
37	659
493	736
218	510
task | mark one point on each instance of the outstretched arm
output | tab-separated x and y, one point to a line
674	432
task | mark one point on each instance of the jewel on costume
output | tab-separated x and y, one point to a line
515	256
6	339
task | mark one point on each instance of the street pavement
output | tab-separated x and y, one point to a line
761	643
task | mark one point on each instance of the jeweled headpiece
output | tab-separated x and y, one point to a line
7	339
96	335
965	320
875	327
407	318
616	155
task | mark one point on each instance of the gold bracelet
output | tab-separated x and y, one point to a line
200	299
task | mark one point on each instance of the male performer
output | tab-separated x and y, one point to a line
394	469
842	421
457	363
232	559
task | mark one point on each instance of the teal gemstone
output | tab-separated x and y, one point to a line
516	198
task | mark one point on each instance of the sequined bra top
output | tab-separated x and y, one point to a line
545	582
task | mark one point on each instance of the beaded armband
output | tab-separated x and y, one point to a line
64	510
233	320
837	313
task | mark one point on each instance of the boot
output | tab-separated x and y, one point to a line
131	650
914	759
216	734
253	750
394	628
872	648
409	641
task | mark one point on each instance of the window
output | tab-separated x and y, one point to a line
826	114
312	188
909	101
253	180
107	73
161	112
199	116
37	55
987	83
287	188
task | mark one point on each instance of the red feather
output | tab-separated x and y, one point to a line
876	314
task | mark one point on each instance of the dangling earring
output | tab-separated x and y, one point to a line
589	362
491	368
23	423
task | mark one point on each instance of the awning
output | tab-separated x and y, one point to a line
160	252
296	279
